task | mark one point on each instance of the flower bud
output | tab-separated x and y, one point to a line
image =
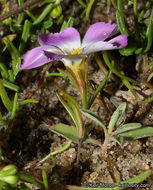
8	167
8	170
10	179
56	11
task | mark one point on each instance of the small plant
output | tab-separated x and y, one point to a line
129	131
20	29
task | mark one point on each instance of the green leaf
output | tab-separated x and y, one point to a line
127	127
144	10
146	101
150	77
16	59
130	48
11	86
116	117
100	87
11	76
82	3
76	111
149	33
67	74
14	107
27	178
67	24
128	85
90	7
45	12
4	71
49	1
25	35
5	99
121	22
44	176
138	51
67	131
2	122
24	102
49	166
69	110
47	24
20	15
114	69
59	150
94	117
137	133
56	75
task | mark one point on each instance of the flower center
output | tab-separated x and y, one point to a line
76	52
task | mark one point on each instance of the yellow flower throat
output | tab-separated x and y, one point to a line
76	52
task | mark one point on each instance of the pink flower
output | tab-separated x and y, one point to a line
67	47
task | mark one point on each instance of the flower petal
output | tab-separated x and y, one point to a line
99	32
67	40
119	41
116	43
36	57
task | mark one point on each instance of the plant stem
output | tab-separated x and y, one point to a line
102	84
56	152
84	98
78	154
135	4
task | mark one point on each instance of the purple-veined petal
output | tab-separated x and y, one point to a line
37	57
119	41
67	40
116	43
99	32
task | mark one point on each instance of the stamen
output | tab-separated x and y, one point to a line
76	52
72	52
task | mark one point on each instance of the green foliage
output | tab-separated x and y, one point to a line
67	24
116	117
5	99
73	109
25	35
8	174
129	131
27	178
16	59
67	131
114	69
44	175
94	117
21	15
143	40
